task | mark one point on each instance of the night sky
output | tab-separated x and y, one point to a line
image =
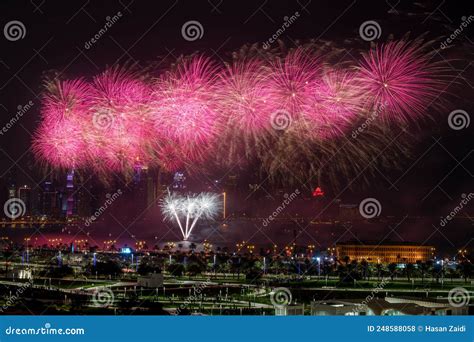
429	183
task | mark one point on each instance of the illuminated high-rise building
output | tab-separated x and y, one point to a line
24	194
144	187
49	200
68	200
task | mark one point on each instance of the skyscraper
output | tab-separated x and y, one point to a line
49	200
24	194
68	201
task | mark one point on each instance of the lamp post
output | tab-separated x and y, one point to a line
224	195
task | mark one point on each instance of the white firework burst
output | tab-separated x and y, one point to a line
187	210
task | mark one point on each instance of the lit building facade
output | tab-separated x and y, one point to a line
385	253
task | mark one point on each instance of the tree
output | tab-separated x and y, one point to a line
60	272
145	268
423	267
194	269
346	259
7	255
452	273
409	270
379	267
392	268
365	269
276	266
354	270
343	274
429	267
465	268
327	268
253	274
108	267
176	269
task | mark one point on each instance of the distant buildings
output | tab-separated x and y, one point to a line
385	252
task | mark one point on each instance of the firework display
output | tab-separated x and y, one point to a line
187	210
60	139
184	111
293	113
119	116
401	78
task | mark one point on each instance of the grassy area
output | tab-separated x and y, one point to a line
71	283
387	284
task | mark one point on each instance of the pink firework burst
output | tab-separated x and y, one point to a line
119	126
60	138
292	80
400	78
61	144
242	99
184	107
64	100
336	102
196	112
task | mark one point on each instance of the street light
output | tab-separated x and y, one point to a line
225	204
